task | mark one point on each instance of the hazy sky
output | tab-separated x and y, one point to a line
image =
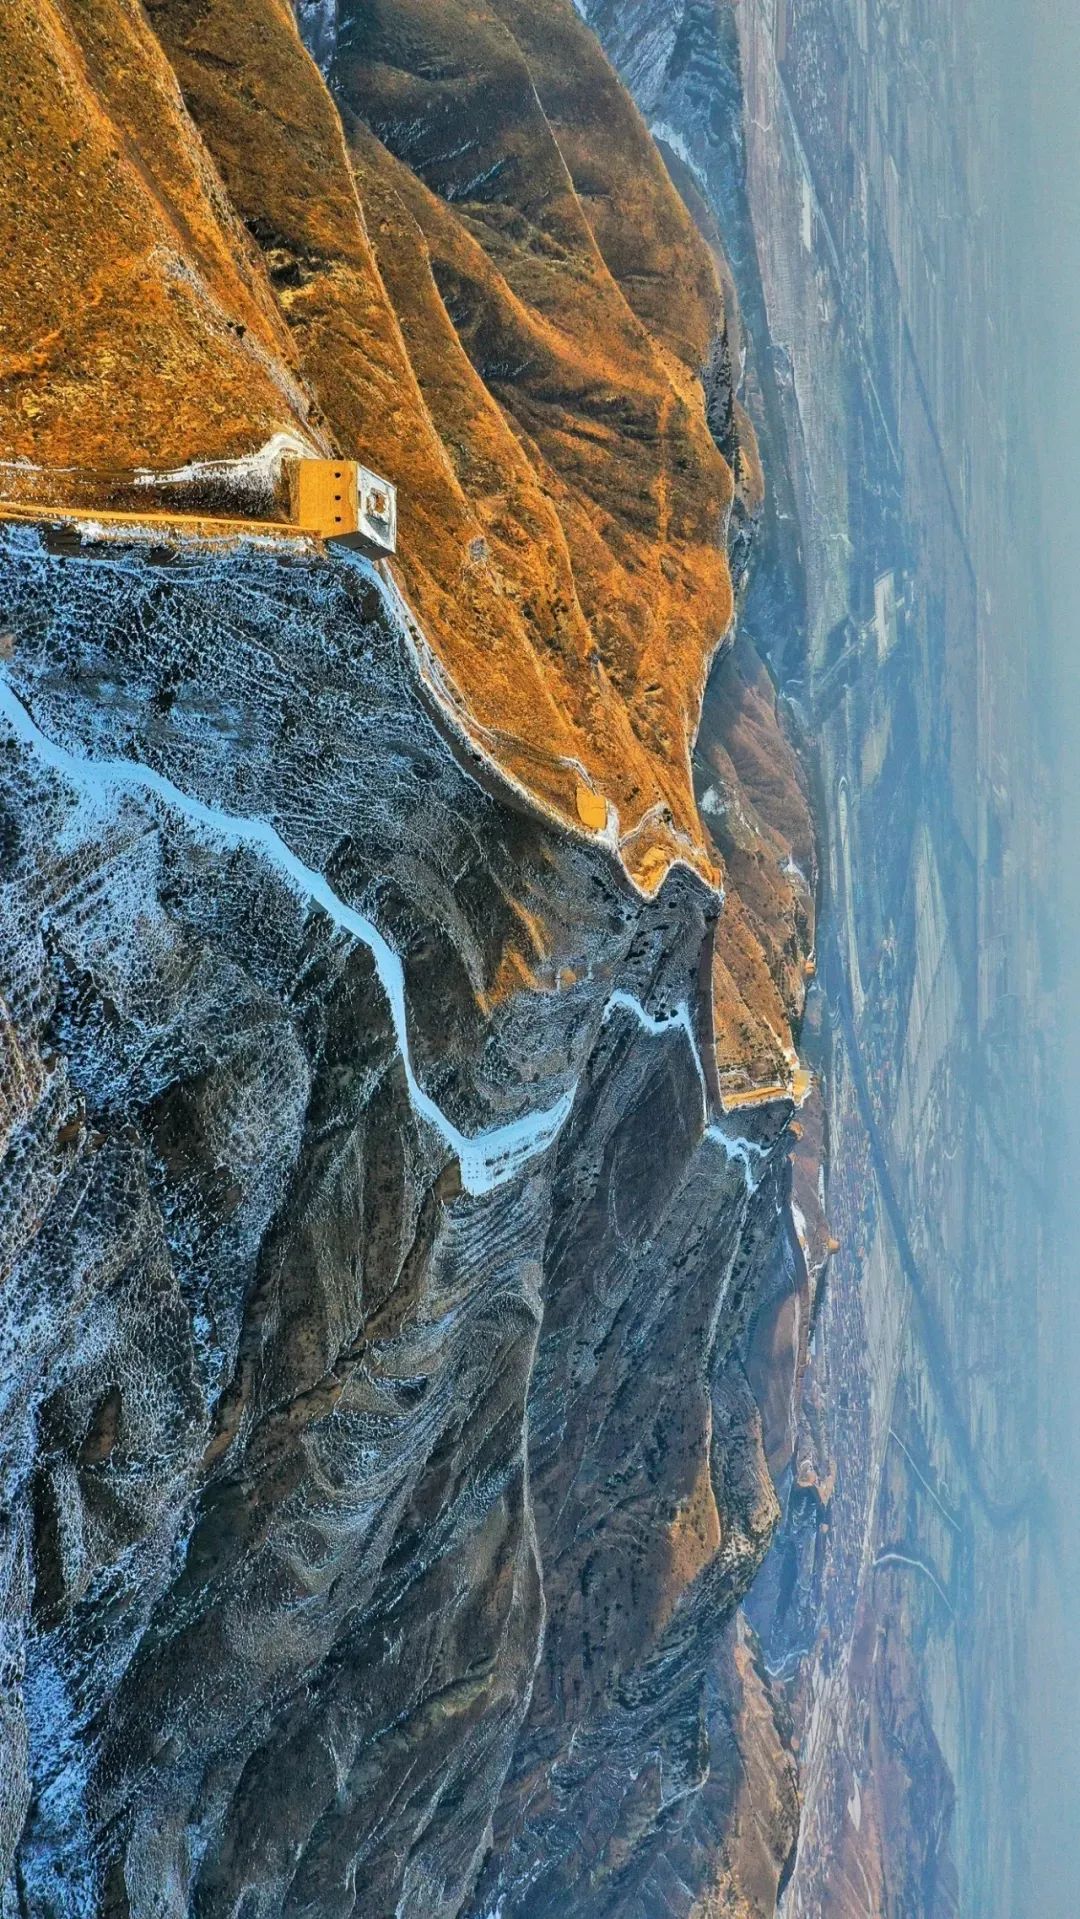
1049	251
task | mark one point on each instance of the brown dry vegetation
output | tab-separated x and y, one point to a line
131	325
760	821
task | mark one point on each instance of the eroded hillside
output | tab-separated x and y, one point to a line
378	1250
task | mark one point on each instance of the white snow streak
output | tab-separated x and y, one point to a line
736	1149
253	472
486	1159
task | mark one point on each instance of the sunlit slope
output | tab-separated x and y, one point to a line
132	325
460	257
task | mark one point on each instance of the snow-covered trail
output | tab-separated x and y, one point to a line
744	1151
486	1159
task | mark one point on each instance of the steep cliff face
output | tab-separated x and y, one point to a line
381	1474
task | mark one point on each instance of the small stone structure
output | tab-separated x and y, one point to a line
342	500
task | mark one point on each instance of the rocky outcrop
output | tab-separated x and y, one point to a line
381	1475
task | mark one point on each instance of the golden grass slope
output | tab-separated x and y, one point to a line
132	328
488	289
608	417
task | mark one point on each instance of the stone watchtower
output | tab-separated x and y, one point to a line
342	500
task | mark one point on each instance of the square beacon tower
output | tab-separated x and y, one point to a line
342	500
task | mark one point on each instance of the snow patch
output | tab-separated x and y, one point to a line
256	476
671	137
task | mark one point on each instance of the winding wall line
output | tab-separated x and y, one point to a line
486	1159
